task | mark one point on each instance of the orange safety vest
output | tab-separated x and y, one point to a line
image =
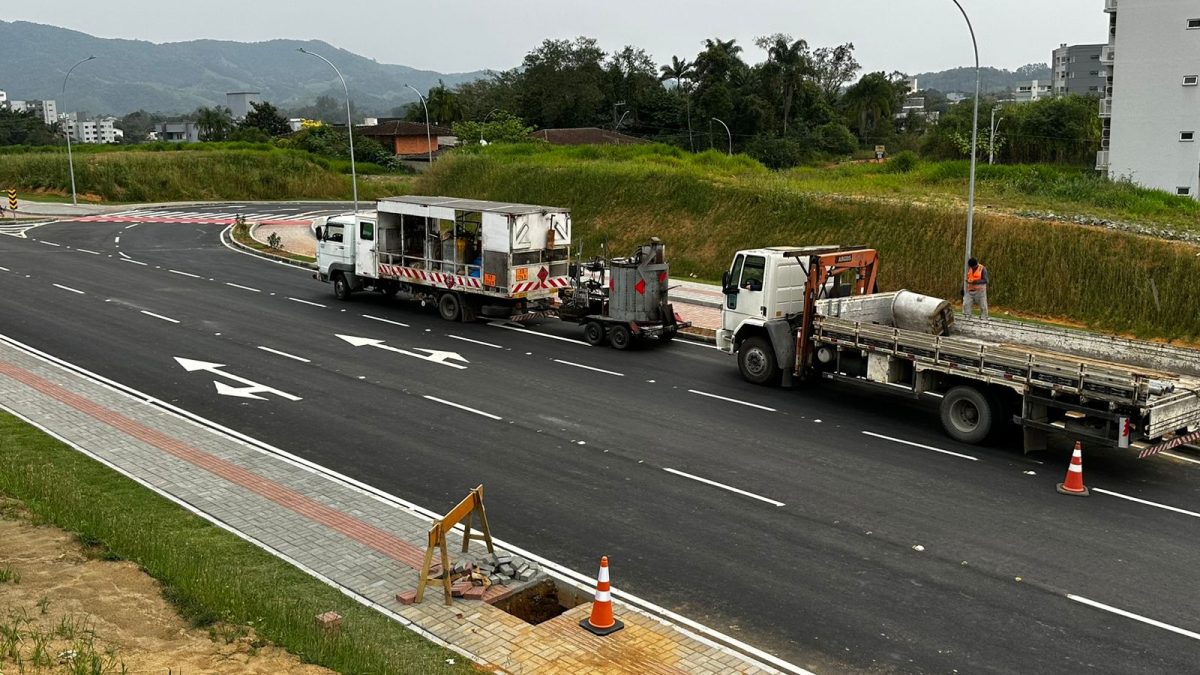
975	278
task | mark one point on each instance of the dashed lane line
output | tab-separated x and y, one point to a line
48	243
919	445
724	487
86	250
592	368
159	316
135	262
1147	502
244	288
306	302
1136	617
285	354
537	333
476	342
730	400
186	274
68	288
460	406
381	320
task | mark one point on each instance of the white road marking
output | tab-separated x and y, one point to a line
135	262
49	243
1135	617
285	354
244	288
394	323
478	342
84	250
534	332
918	445
123	254
186	274
127	227
452	404
159	316
724	486
1147	502
598	370
731	400
5	269
306	302
117	239
251	390
1186	459
68	288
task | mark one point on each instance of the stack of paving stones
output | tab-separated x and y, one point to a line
471	577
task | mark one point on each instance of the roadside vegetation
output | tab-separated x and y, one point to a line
211	576
706	206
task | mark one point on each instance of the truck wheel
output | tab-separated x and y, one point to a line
449	307
756	360
967	414
593	333
620	337
341	288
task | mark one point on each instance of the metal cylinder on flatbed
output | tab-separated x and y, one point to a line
639	285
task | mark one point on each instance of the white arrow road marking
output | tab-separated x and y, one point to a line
434	356
249	391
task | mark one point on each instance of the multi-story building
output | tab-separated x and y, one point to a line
1150	113
1032	90
1077	70
47	109
177	132
91	131
239	102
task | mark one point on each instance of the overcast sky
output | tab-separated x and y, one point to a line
463	35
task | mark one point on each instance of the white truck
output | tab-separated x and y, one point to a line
468	257
808	313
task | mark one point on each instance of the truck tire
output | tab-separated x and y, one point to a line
620	337
756	360
968	414
450	307
593	333
341	287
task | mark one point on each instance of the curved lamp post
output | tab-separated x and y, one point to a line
728	135
974	139
485	119
428	136
618	125
349	125
70	158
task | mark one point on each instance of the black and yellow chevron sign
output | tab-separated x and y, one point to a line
12	199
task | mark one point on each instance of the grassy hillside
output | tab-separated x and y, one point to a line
195	172
707	206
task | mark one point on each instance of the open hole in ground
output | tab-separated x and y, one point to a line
542	601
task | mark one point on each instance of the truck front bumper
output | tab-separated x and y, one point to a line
725	341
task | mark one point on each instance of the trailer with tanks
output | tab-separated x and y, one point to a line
813	313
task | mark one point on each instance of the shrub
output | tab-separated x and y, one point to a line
903	162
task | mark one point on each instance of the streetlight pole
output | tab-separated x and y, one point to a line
428	136
618	124
995	126
70	158
729	135
349	126
974	140
485	119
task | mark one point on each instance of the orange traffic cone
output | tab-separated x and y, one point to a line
1073	485
601	622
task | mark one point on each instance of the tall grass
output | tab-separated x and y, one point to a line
209	574
1108	280
193	173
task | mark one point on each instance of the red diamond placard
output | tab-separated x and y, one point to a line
640	286
542	274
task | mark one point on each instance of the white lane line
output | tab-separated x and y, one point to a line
5	269
68	288
1181	457
284	354
477	342
1147	503
1135	617
117	239
122	254
244	288
724	487
159	316
452	404
135	262
534	332
186	274
394	323
49	243
127	227
84	250
306	302
598	370
918	445
731	400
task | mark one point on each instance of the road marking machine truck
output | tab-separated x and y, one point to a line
469	257
813	313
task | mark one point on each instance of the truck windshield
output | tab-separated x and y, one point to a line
333	232
752	273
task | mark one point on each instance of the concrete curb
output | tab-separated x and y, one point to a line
268	256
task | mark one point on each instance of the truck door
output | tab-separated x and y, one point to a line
747	298
365	256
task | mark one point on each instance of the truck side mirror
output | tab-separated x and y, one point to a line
725	284
319	231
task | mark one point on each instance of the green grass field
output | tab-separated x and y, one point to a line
707	206
209	574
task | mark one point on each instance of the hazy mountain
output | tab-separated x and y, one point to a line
991	79
129	75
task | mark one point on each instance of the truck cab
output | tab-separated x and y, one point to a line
346	251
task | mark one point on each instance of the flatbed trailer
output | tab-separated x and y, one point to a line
1100	389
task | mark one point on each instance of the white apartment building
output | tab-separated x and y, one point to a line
48	109
1031	91
91	131
1151	109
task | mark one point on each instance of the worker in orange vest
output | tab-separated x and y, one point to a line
975	289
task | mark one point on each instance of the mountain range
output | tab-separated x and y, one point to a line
991	80
178	77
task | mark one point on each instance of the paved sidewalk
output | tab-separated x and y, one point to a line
368	544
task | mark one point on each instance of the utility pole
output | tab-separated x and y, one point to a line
995	126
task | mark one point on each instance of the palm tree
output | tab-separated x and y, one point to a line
791	62
213	123
871	99
678	70
444	105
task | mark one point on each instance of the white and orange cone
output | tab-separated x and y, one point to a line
601	622
1073	484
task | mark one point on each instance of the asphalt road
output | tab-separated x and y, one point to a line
861	538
